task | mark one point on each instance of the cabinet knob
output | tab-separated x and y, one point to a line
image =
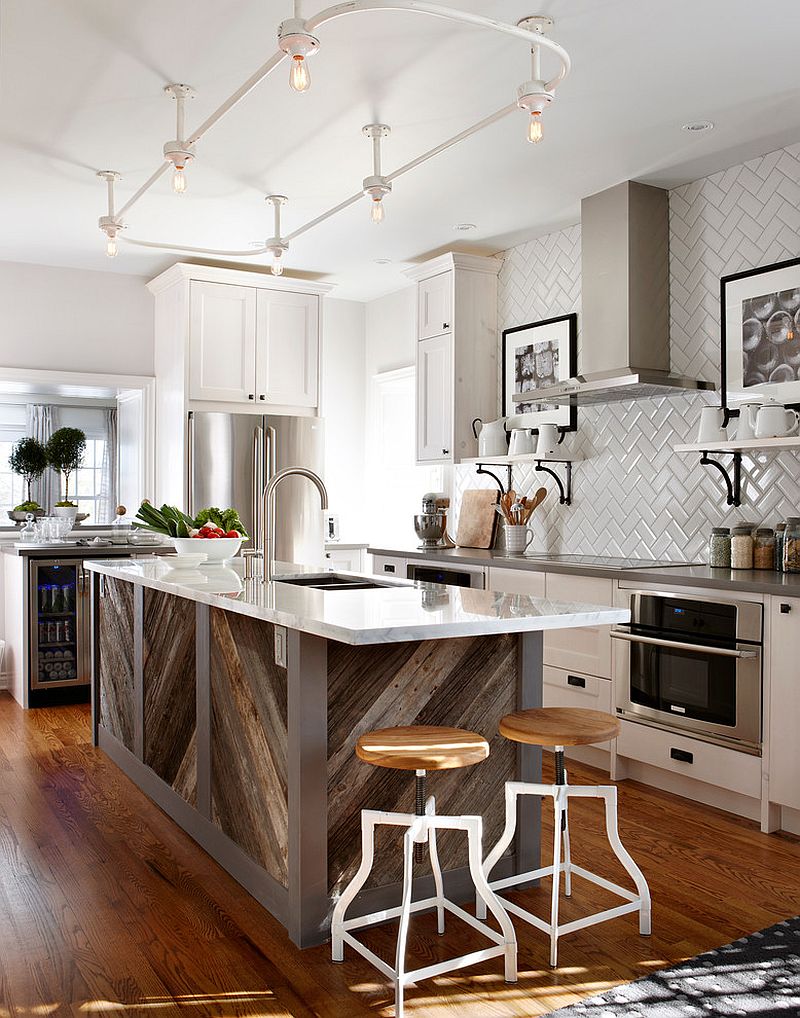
262	397
445	452
785	609
445	325
251	395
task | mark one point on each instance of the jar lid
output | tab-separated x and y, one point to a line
721	530
744	528
764	532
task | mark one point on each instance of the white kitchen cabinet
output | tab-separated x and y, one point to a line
350	560
287	348
434	399
384	565
456	353
517	581
588	649
784	713
435	305
222	327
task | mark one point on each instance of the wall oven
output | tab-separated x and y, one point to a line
692	665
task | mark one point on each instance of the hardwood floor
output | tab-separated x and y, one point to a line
106	906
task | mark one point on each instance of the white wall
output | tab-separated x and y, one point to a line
343	407
74	320
391	331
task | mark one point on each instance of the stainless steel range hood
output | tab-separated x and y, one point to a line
625	316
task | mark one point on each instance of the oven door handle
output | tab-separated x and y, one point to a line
652	641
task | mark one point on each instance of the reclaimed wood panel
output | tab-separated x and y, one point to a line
170	701
116	661
249	739
468	683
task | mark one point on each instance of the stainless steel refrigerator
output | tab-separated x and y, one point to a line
231	458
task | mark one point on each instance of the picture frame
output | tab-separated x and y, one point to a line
760	335
545	352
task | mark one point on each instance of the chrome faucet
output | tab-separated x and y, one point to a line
268	510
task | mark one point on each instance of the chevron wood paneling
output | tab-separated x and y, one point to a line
632	494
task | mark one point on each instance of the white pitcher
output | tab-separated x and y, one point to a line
746	429
492	440
773	420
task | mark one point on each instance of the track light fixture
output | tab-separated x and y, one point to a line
110	224
179	152
534	96
376	186
276	247
298	44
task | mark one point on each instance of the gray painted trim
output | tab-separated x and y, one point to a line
307	779
529	758
203	707
138	671
252	877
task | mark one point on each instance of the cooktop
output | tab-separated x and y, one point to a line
608	562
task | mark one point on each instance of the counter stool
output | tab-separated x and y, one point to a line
559	727
422	749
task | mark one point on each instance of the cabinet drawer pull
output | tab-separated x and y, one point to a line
576	680
785	609
390	569
682	755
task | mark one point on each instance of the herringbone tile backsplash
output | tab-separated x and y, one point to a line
632	494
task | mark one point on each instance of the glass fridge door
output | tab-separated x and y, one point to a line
56	620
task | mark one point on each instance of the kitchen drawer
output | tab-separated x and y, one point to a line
569	689
517	581
586	650
716	765
386	565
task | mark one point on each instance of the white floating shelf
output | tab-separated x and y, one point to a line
528	457
746	445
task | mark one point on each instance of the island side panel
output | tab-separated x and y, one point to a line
249	740
466	682
170	703
115	659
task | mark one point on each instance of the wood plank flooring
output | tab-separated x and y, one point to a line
106	906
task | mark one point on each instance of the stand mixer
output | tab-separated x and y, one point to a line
430	525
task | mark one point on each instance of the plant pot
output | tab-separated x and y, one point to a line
65	512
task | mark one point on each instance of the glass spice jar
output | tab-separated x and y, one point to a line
780	534
791	545
742	547
719	548
764	548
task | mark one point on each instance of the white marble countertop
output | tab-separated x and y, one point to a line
399	612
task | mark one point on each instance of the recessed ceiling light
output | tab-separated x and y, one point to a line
698	126
383	261
464	227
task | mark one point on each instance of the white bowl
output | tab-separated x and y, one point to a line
183	562
217	549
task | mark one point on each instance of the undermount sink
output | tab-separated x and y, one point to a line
333	581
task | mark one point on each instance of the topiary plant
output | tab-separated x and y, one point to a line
28	459
65	449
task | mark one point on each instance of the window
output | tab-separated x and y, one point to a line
12	487
88	482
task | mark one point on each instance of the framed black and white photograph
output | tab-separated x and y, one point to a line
760	311
536	356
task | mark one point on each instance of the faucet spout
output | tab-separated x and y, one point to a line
268	522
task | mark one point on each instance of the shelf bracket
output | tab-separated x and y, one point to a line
482	470
733	484
564	496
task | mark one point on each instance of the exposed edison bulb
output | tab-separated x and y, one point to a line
277	265
179	181
111	247
376	213
299	74
535	129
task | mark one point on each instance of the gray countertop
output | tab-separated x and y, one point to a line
758	581
70	549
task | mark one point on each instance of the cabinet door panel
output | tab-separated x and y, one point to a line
435	400
222	342
287	356
435	305
784	723
516	581
587	649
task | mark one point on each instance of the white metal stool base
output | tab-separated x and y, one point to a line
638	902
422	830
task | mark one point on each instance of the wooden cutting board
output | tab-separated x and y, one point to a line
477	518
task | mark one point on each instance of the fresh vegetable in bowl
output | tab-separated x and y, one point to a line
172	522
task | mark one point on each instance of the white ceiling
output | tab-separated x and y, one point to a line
81	90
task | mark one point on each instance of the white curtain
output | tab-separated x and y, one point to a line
45	491
108	479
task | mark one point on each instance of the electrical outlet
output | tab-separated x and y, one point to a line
280	646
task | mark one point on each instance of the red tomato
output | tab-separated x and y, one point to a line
232	533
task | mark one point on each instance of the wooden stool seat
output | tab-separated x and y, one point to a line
422	748
559	726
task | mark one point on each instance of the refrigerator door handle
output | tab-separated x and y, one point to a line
190	465
257	466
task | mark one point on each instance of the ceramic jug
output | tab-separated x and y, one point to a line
492	438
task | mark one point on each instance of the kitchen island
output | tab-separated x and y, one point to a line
235	705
